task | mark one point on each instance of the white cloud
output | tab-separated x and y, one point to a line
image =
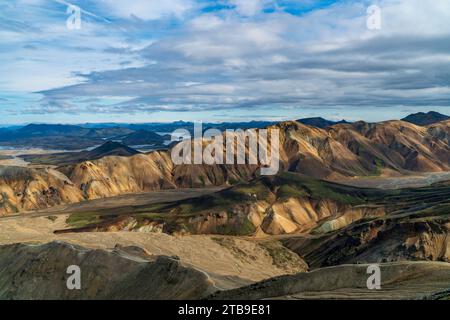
248	7
223	60
147	9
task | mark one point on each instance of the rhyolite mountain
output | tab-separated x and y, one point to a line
339	151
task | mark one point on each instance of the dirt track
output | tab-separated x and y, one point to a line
412	181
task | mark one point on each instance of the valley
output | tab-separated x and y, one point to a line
226	150
324	262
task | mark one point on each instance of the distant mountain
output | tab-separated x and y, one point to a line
109	148
78	137
108	133
51	129
320	122
143	137
425	119
49	136
6	157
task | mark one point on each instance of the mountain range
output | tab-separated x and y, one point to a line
320	122
302	233
77	137
341	151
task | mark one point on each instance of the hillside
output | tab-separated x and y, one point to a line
123	273
283	204
416	226
85	136
405	281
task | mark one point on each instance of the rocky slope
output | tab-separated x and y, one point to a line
333	223
124	273
29	189
379	241
407	280
416	227
282	204
40	272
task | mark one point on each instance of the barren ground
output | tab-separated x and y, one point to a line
230	262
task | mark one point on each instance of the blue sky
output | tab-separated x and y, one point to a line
222	60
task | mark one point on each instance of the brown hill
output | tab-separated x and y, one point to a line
23	189
275	205
404	281
39	272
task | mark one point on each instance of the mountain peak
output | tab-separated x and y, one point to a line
424	119
113	148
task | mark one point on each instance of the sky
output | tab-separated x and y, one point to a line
222	60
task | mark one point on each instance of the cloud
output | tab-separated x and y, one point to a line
244	58
248	7
147	9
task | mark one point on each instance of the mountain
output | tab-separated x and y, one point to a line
109	148
300	220
319	122
108	133
424	119
79	137
49	136
26	189
144	137
55	142
51	129
41	130
341	151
